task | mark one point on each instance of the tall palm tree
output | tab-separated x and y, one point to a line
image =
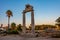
9	14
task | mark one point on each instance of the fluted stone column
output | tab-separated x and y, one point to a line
32	22
24	27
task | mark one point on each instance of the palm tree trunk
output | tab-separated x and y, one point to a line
8	22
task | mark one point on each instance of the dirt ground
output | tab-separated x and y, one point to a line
18	37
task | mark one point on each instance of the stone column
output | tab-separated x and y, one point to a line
32	22
24	27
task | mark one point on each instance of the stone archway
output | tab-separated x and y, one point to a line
28	8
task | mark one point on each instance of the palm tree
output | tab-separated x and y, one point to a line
9	14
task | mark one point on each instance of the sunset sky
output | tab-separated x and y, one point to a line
45	11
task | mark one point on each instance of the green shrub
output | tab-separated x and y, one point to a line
9	31
12	32
19	28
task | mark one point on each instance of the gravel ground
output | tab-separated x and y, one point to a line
17	37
